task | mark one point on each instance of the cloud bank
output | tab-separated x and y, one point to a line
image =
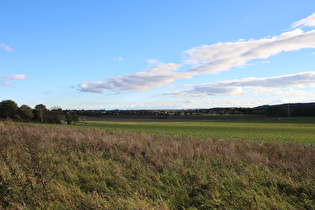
237	87
212	59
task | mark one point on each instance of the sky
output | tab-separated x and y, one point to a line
157	54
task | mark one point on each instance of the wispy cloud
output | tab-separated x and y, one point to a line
10	77
14	76
117	58
209	59
2	83
6	47
240	87
309	21
223	56
155	76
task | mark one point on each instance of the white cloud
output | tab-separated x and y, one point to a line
279	91
238	87
155	76
88	87
309	21
6	47
12	77
223	56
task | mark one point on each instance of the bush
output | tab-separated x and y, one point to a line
8	109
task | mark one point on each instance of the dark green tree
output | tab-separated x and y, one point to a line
26	113
75	117
72	118
68	118
40	113
54	115
8	109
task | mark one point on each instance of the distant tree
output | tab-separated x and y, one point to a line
8	109
25	112
75	117
68	118
72	118
277	111
41	113
54	115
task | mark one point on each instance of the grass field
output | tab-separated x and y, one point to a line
72	167
284	130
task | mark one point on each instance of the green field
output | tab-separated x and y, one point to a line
284	130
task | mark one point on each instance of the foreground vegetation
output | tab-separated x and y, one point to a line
61	167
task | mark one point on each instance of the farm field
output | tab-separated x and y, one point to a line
301	130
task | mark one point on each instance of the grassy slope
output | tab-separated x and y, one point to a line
60	167
300	130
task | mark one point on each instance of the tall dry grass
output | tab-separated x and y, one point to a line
52	167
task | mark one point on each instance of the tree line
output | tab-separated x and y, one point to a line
10	110
40	114
281	110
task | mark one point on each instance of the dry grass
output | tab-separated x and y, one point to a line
60	167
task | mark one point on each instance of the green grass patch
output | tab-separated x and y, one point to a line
284	130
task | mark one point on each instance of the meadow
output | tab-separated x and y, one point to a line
301	130
93	166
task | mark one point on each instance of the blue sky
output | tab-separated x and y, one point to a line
161	54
